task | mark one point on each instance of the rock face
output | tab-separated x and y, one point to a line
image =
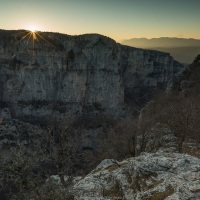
159	175
14	132
50	74
146	72
185	82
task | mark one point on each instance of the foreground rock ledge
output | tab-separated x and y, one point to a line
160	175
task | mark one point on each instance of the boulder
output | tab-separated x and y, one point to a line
159	175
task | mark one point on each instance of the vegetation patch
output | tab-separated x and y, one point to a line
112	167
162	195
114	192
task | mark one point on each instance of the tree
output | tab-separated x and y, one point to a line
183	119
63	149
24	169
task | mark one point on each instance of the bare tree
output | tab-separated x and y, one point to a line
24	169
119	141
183	119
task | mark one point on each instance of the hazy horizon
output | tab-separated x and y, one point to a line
182	50
116	19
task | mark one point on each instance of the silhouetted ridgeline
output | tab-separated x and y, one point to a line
183	50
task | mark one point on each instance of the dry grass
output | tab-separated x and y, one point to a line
139	182
114	192
162	195
112	167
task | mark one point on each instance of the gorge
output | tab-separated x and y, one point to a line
43	74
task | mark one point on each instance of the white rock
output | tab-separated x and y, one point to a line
156	175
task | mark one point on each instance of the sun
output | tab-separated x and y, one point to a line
33	34
32	29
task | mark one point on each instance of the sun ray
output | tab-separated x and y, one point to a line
35	37
23	31
33	42
28	39
37	40
22	38
45	40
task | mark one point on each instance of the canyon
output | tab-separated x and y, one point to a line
49	74
69	102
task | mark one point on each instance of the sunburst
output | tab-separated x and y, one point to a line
35	37
33	29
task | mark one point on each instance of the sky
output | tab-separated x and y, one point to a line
118	19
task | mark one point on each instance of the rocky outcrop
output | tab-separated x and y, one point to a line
14	132
55	75
197	59
186	82
159	175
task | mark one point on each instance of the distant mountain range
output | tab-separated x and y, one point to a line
183	50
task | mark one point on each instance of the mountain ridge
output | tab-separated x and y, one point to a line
182	49
190	41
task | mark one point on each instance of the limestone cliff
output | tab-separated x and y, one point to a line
51	74
186	84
